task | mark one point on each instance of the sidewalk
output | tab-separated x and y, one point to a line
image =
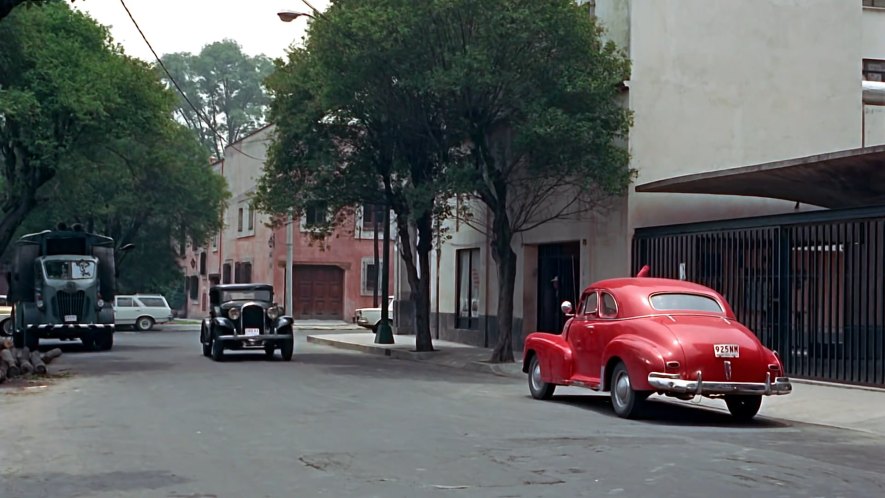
834	405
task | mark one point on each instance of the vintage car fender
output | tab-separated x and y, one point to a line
640	355
106	315
223	323
554	353
282	323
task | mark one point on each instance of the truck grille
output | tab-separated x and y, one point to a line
69	303
252	317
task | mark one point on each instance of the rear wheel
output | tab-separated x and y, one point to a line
18	339
626	402
743	407
31	341
144	323
539	388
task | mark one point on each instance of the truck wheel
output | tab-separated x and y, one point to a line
32	342
6	327
18	339
144	323
103	341
269	350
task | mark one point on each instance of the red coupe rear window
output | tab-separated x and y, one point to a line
684	302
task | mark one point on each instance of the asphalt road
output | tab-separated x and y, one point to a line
153	418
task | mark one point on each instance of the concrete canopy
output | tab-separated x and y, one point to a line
849	178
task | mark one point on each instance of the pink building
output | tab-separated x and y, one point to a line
330	278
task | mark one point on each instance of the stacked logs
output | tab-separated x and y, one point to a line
21	361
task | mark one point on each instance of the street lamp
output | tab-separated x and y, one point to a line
291	15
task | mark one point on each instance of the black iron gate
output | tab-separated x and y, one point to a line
810	285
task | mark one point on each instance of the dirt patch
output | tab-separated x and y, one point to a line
33	384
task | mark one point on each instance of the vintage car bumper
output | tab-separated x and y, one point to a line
67	329
256	338
663	382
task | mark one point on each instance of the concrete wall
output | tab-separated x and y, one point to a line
874	48
721	84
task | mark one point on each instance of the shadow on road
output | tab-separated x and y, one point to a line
659	412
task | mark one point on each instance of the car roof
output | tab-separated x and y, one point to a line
632	293
224	287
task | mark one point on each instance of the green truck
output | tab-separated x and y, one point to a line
62	286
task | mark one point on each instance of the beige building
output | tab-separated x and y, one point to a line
715	85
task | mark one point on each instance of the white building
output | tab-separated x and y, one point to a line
715	85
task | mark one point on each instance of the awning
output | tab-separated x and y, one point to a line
849	178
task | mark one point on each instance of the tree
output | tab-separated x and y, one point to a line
6	6
347	133
225	85
90	138
533	91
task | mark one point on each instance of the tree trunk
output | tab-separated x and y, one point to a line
505	261
39	366
375	212
51	355
24	361
3	369
7	358
423	339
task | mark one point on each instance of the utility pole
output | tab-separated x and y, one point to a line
289	273
385	332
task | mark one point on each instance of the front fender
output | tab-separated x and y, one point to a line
283	324
223	323
554	354
640	355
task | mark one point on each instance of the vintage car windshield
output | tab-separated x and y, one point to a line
247	295
69	269
685	302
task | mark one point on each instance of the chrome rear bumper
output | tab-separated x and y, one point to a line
674	383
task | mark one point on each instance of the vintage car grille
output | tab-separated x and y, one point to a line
252	316
69	303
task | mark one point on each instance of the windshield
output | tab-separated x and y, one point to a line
82	269
247	295
685	302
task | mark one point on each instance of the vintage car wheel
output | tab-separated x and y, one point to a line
539	388
269	350
18	339
626	402
144	323
31	341
743	407
207	348
6	328
217	349
287	348
103	341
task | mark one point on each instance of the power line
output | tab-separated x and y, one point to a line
199	113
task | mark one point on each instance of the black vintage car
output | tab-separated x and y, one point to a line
242	317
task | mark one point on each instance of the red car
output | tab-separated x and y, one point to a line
639	336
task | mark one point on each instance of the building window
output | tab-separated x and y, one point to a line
467	288
874	3
251	217
240	220
225	273
370	213
874	69
243	273
194	287
369	277
315	214
215	243
202	263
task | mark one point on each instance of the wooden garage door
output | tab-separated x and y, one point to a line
319	292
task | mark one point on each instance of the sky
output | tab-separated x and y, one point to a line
188	25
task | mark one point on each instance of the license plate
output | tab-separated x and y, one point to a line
251	332
727	350
70	318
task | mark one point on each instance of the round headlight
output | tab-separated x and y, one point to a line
234	313
273	312
100	303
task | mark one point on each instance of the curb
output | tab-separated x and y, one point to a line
500	370
834	385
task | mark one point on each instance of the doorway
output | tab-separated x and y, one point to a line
559	270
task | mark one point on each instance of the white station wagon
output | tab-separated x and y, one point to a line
141	311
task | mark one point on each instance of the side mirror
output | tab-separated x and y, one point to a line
567	308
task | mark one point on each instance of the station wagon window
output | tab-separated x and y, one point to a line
591	304
685	302
125	302
609	306
153	302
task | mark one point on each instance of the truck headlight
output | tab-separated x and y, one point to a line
234	313
273	312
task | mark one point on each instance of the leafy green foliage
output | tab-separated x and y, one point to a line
226	85
87	135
